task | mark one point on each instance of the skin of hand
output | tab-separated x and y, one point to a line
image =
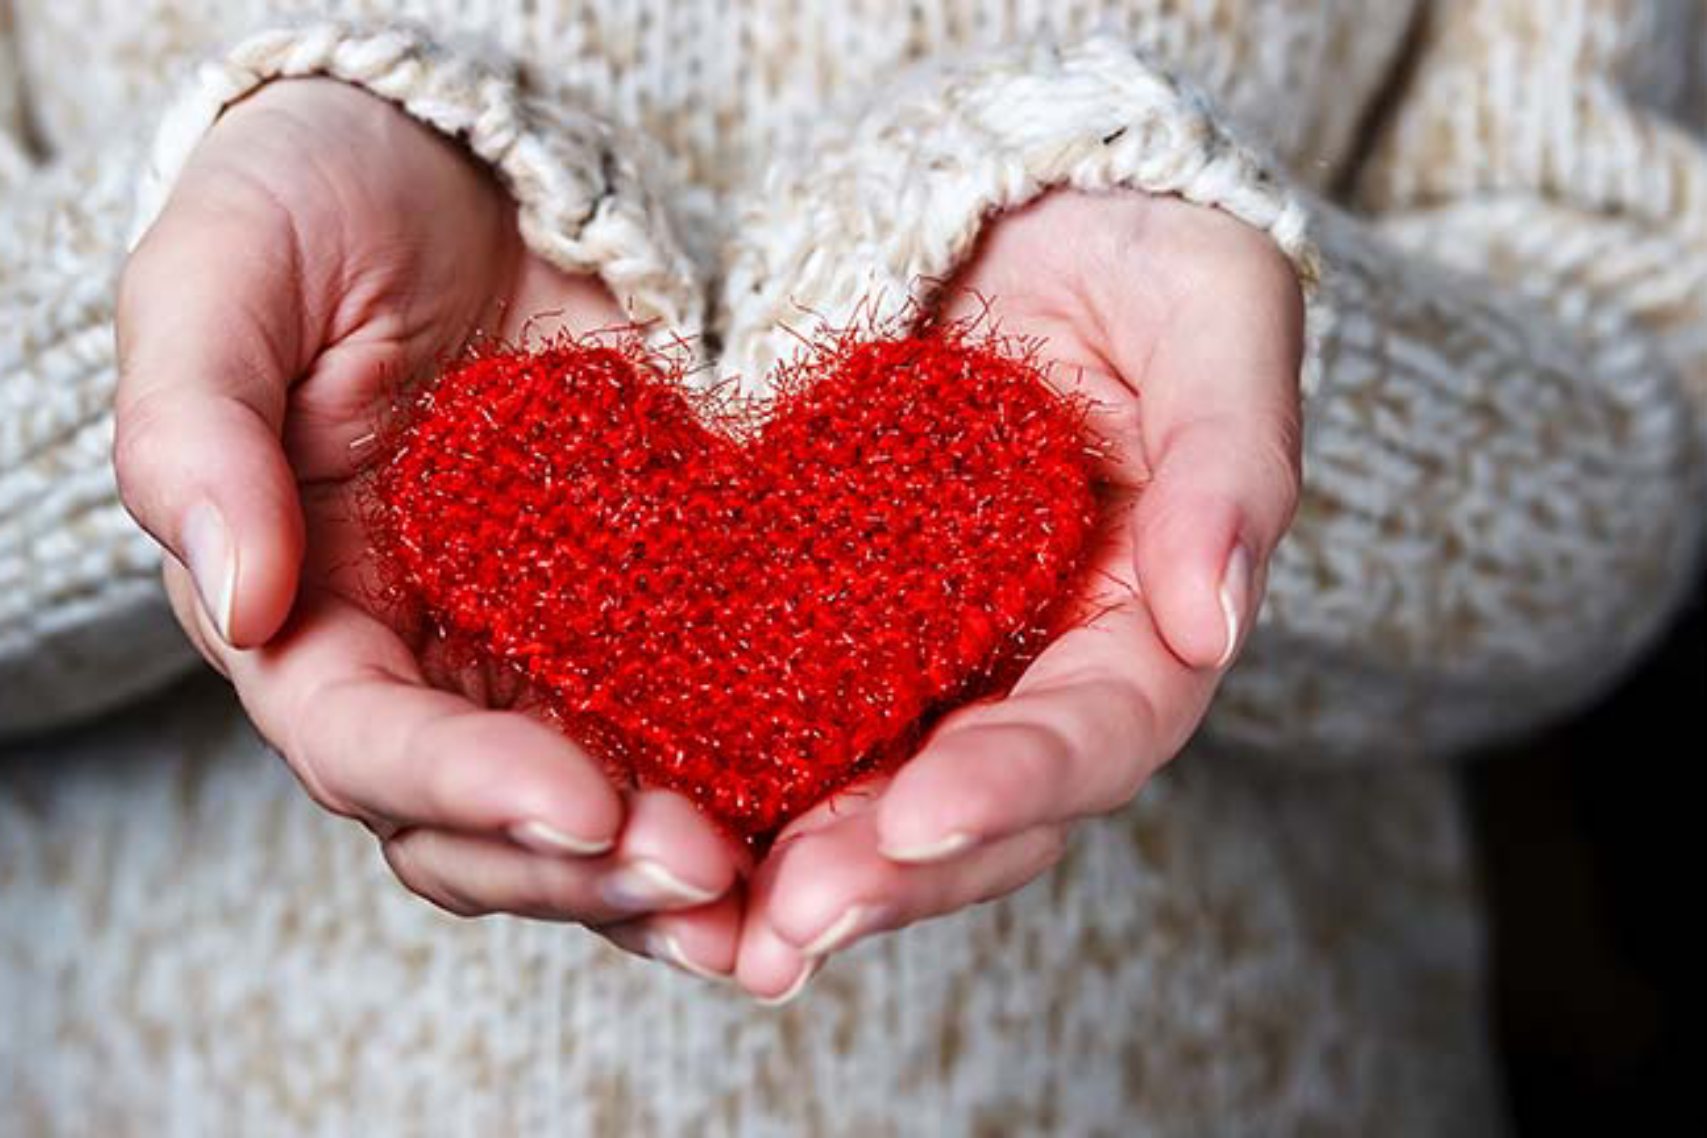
320	248
1184	328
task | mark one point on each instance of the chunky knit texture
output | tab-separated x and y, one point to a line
750	611
1500	210
190	947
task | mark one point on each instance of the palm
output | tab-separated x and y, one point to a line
370	252
1179	327
398	291
309	264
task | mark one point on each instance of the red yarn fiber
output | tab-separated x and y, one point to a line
752	611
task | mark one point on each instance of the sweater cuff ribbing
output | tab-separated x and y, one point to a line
898	197
581	204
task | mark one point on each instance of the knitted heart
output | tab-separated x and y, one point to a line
750	610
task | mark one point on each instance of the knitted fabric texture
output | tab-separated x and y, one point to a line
886	200
751	611
1499	207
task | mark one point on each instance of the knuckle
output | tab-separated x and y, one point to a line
1050	718
448	780
137	445
455	905
1112	719
1048	746
1127	716
323	786
1052	847
322	774
452	901
419	878
1281	471
1033	753
551	890
1289	446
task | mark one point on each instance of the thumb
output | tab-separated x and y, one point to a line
1204	528
1222	429
210	335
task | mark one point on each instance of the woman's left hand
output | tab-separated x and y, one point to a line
1184	328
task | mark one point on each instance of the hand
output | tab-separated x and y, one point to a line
320	248
1184	328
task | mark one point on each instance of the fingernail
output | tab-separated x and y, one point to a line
663	946
545	838
945	847
788	994
854	921
646	884
1235	599
212	561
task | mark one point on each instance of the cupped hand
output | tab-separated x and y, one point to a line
1183	328
319	250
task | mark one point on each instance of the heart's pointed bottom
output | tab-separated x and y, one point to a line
751	611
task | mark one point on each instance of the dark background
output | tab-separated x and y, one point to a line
1594	851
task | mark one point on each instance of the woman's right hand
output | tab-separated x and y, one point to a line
320	248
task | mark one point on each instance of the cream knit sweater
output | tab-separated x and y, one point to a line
1506	413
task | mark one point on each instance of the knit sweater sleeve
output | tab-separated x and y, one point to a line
1498	507
83	622
1510	469
1567	166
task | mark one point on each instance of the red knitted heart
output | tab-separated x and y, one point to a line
753	611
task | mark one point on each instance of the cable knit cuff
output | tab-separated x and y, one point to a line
882	213
879	213
580	201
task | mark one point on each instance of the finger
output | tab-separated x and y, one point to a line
342	697
1093	717
767	966
670	856
208	344
834	887
191	617
472	874
771	969
701	941
1220	424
